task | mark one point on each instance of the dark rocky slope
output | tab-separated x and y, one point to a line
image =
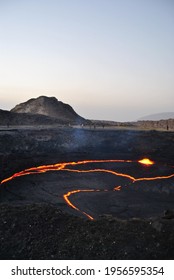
44	232
49	106
8	118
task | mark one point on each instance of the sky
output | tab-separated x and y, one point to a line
108	59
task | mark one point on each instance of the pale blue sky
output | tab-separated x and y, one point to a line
109	59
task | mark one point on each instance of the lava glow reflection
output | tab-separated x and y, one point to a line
73	167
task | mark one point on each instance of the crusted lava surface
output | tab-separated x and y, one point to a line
133	219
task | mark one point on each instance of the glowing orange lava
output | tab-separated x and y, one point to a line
146	161
118	188
67	166
65	196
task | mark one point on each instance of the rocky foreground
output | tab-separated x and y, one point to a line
44	232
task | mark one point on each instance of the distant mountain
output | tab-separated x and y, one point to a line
50	107
158	117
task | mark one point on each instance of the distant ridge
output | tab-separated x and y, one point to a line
50	107
158	117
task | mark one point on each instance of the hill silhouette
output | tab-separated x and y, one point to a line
50	107
158	117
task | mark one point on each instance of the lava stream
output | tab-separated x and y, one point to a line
66	167
65	196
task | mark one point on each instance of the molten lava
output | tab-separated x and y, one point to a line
67	166
118	188
146	161
65	196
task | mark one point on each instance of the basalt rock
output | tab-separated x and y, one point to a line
51	107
